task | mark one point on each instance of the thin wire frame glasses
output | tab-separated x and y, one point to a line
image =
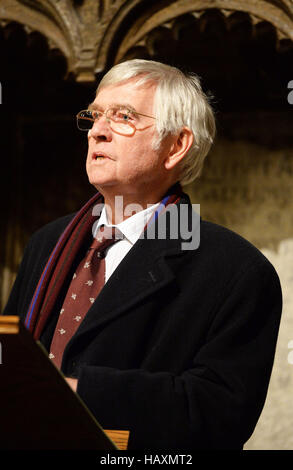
121	120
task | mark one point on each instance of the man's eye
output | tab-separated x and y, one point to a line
122	115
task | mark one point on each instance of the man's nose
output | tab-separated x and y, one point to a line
101	129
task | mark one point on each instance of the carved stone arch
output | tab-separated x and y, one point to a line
279	13
94	34
38	16
82	29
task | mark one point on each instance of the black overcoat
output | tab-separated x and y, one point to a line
179	345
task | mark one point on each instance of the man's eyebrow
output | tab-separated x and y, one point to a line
94	106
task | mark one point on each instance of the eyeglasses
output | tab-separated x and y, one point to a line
122	120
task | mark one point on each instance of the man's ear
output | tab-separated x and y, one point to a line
179	148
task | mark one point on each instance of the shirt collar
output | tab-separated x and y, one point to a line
133	226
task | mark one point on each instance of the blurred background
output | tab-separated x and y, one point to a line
53	54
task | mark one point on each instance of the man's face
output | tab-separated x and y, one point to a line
129	164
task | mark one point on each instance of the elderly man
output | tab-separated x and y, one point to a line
172	341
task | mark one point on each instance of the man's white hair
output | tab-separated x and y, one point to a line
179	101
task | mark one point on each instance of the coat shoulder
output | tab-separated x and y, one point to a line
57	225
229	247
52	230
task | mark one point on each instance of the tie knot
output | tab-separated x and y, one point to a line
105	237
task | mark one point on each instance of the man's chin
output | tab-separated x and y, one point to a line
103	185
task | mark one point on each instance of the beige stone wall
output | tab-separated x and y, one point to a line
275	427
247	187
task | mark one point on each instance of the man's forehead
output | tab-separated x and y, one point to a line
126	93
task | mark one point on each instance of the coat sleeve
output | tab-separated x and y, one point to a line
216	402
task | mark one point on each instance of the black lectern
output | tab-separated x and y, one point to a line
38	409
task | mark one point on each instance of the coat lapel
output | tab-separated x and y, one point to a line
140	274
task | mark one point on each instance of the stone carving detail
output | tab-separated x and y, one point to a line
93	33
280	17
77	28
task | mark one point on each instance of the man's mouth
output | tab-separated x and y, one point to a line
99	156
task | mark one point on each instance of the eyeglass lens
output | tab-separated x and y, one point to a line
85	121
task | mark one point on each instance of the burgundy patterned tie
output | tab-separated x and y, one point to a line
86	284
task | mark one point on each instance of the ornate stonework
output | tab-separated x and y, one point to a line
93	33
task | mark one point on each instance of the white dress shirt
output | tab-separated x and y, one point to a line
131	228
